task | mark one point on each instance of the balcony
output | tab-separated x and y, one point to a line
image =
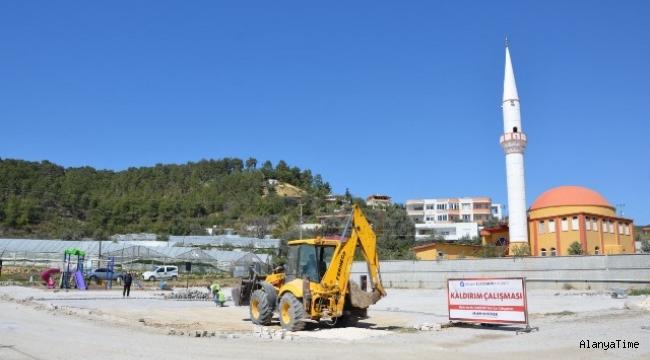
487	211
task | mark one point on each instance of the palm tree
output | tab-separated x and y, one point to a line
284	224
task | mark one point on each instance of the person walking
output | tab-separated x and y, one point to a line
128	279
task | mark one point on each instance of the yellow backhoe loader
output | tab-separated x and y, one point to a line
314	283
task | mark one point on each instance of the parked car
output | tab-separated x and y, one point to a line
161	272
95	275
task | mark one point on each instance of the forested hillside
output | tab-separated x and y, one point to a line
44	200
47	201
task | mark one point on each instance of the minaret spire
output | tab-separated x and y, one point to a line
509	85
513	141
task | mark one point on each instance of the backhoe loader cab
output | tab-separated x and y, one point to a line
305	259
314	284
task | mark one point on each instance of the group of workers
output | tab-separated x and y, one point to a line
218	296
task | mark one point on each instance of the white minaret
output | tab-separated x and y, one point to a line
513	143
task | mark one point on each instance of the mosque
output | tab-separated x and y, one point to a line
558	217
555	220
565	214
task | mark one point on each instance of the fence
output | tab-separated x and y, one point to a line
141	259
595	272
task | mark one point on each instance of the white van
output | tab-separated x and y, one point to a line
161	272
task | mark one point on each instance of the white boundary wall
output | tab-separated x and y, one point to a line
593	272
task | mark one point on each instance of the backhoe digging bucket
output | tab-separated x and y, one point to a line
362	299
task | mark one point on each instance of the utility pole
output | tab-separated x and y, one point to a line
300	221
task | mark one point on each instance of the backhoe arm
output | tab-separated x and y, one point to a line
367	241
337	276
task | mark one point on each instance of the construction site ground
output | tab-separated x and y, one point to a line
36	323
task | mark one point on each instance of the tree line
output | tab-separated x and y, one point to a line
45	200
42	200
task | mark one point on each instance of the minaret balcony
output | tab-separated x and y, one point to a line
513	143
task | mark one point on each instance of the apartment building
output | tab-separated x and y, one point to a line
378	201
453	218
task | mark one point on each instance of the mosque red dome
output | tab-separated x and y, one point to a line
569	196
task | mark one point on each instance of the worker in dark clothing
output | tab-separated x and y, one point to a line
128	279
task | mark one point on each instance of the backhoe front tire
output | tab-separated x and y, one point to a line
261	309
291	312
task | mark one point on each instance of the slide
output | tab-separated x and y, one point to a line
46	274
79	280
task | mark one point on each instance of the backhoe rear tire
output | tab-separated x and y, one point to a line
261	309
291	312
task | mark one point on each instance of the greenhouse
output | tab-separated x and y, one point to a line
224	241
50	253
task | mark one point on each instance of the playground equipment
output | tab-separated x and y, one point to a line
76	273
46	275
107	274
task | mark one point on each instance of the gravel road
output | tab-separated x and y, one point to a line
100	324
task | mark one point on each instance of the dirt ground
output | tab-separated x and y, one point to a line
100	324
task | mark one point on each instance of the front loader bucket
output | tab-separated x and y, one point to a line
241	295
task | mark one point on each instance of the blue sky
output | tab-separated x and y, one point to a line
392	97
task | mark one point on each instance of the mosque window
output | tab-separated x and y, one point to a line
514	129
541	227
588	223
597	250
565	224
627	229
551	226
542	251
594	225
575	224
604	225
553	252
620	228
611	226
